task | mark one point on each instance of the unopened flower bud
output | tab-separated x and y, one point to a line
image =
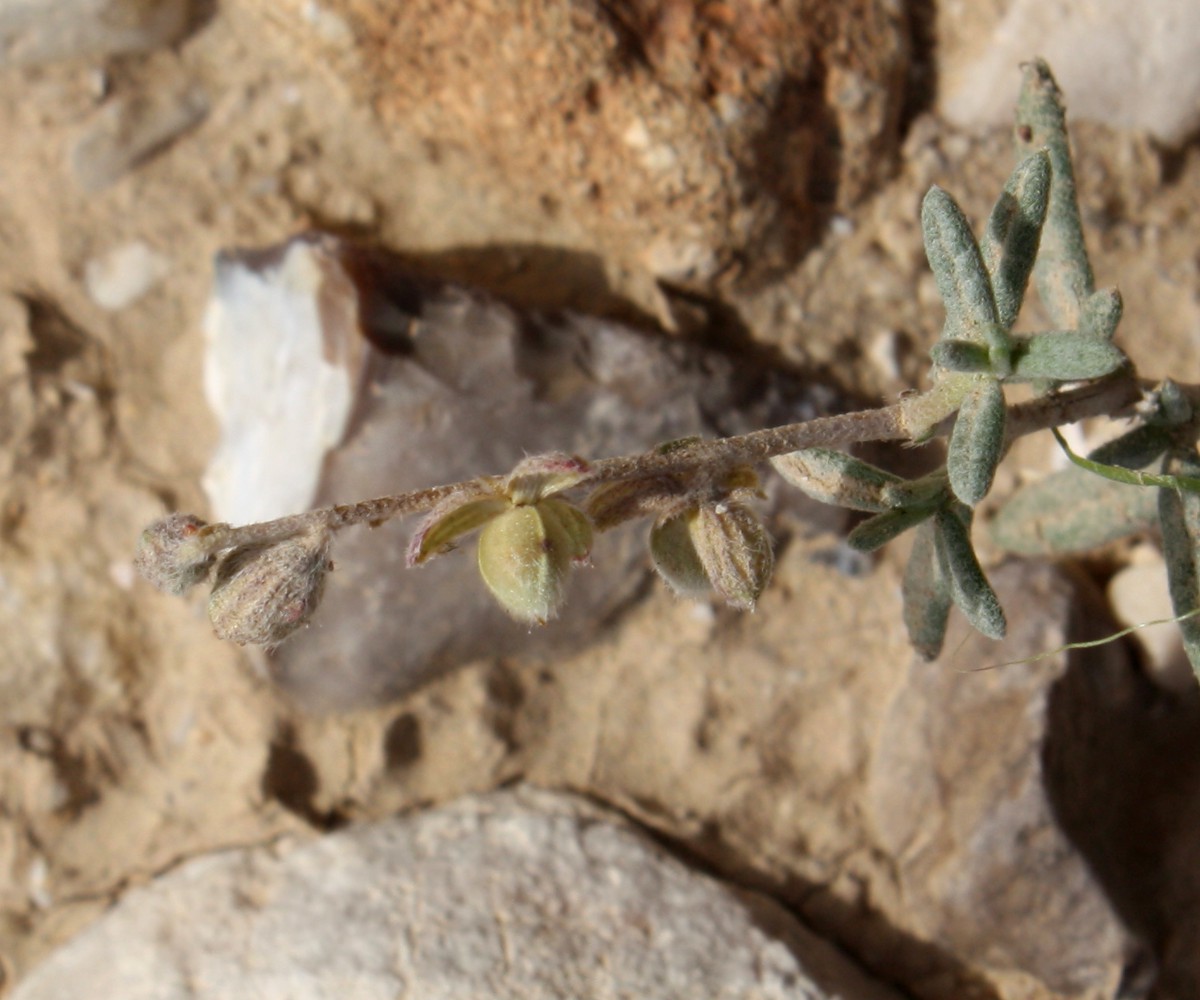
526	553
263	593
736	551
722	546
177	552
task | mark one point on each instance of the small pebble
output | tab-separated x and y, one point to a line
884	352
123	275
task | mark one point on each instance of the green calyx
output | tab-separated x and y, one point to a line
526	554
529	540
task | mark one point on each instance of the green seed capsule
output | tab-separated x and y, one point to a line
526	553
675	556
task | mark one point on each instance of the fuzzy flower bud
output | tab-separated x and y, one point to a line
177	552
263	593
722	546
526	553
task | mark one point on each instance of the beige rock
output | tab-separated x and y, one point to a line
901	806
129	129
1139	595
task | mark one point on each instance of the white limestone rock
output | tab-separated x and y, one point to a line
1127	65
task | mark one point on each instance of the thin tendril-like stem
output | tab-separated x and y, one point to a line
1083	644
1131	477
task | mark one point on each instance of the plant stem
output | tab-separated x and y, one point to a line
883	424
888	423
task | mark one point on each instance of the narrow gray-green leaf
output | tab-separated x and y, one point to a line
930	491
836	478
957	266
882	528
926	595
1179	516
967	356
1101	313
1010	241
1075	510
1064	356
977	442
1062	273
969	588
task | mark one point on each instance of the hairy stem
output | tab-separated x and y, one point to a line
888	423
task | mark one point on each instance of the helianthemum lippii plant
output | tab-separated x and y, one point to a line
705	536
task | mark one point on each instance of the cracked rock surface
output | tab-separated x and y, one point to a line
524	895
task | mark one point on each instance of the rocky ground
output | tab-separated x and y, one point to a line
737	183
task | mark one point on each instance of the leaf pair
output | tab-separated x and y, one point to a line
1057	355
943	570
983	284
842	480
982	288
